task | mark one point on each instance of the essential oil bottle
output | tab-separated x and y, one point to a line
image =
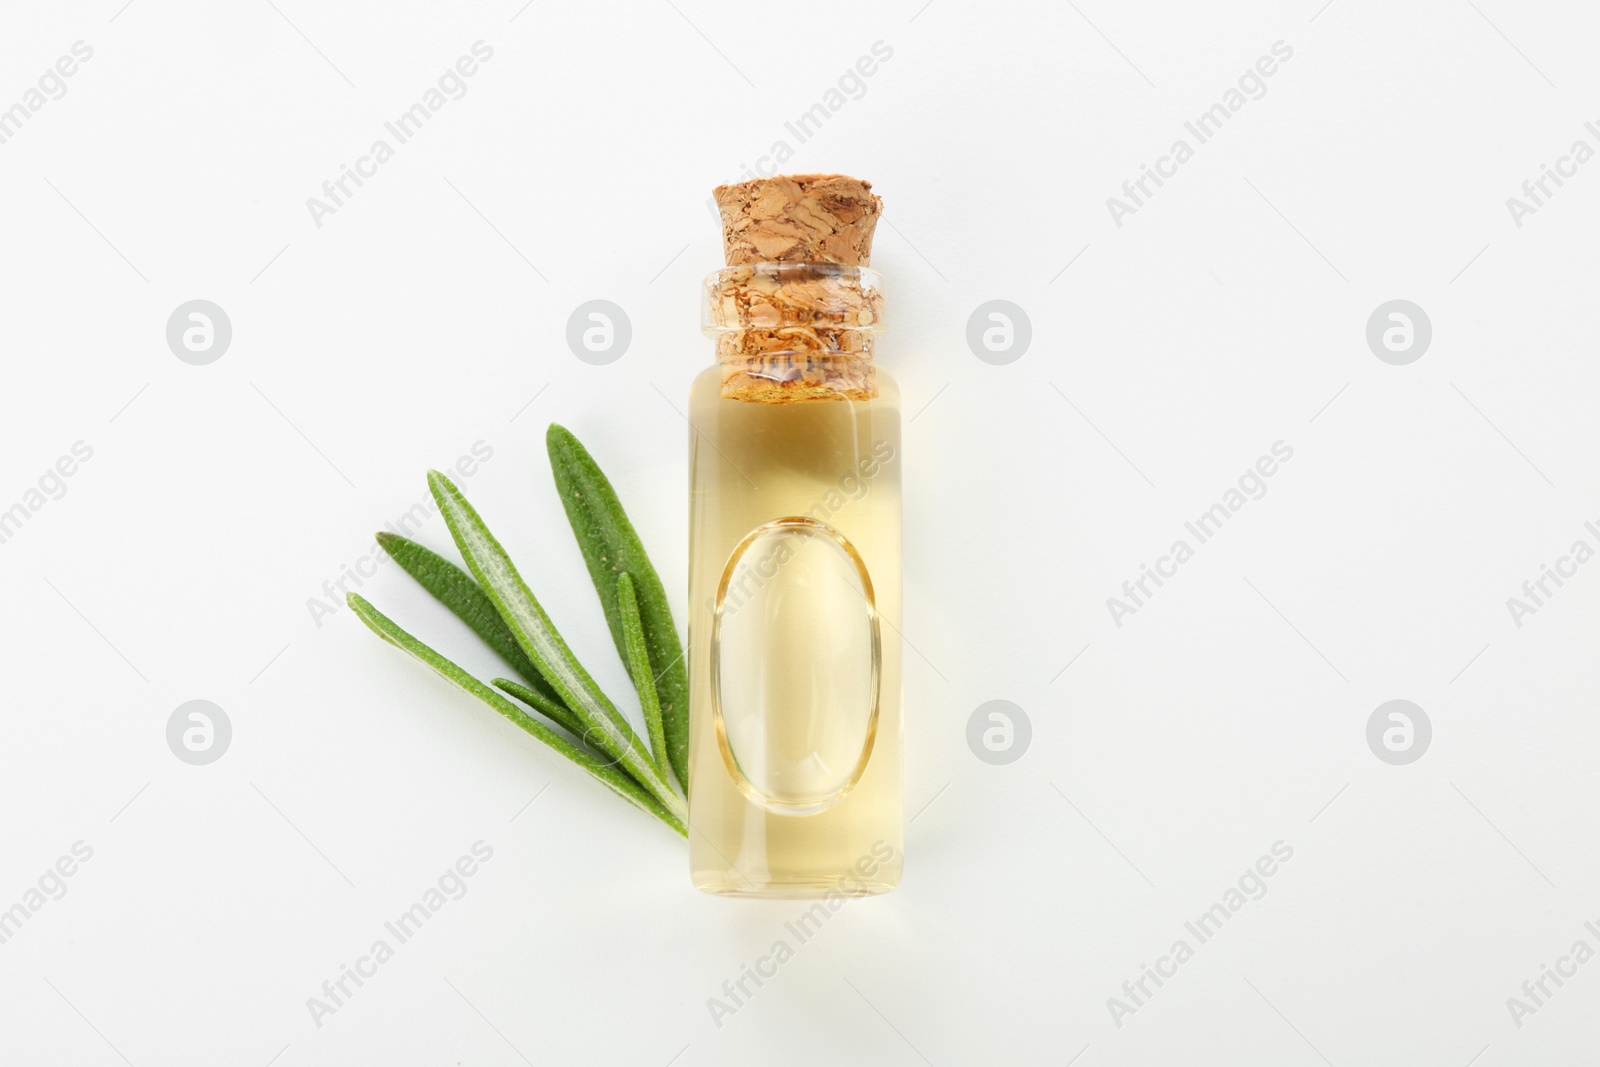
794	554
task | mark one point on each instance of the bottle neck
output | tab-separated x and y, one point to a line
788	332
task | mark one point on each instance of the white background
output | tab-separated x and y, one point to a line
1229	713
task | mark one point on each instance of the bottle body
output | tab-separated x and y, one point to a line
795	785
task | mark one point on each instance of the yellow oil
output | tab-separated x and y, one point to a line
794	644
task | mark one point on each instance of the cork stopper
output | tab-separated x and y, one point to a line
798	218
795	311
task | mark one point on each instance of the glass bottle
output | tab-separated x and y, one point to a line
795	560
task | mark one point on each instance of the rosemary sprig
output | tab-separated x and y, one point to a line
495	602
605	727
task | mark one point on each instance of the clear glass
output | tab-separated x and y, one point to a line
794	652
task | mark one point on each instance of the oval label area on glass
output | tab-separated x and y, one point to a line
795	662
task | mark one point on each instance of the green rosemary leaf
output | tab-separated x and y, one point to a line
609	775
455	589
610	548
605	727
550	709
638	658
560	714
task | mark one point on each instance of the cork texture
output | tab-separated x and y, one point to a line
805	335
798	218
